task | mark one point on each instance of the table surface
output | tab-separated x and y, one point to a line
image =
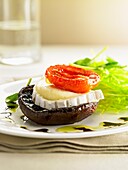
59	55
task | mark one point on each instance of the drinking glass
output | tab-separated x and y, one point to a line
19	32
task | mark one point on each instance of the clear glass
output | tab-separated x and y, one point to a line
19	32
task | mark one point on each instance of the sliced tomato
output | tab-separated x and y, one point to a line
72	78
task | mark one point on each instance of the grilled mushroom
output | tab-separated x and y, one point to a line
57	116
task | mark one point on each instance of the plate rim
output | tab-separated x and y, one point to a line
59	135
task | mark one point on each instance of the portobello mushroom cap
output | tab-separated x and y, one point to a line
59	116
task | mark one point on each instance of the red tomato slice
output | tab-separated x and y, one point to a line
72	78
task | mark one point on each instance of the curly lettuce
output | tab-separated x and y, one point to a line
114	82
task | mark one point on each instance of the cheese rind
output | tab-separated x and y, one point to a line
49	97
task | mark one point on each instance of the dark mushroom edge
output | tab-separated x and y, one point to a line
57	116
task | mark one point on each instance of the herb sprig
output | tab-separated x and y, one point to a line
11	100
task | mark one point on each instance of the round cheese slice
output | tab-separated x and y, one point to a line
49	97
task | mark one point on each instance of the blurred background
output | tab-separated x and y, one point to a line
70	30
84	22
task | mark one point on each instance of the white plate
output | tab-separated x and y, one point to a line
15	127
